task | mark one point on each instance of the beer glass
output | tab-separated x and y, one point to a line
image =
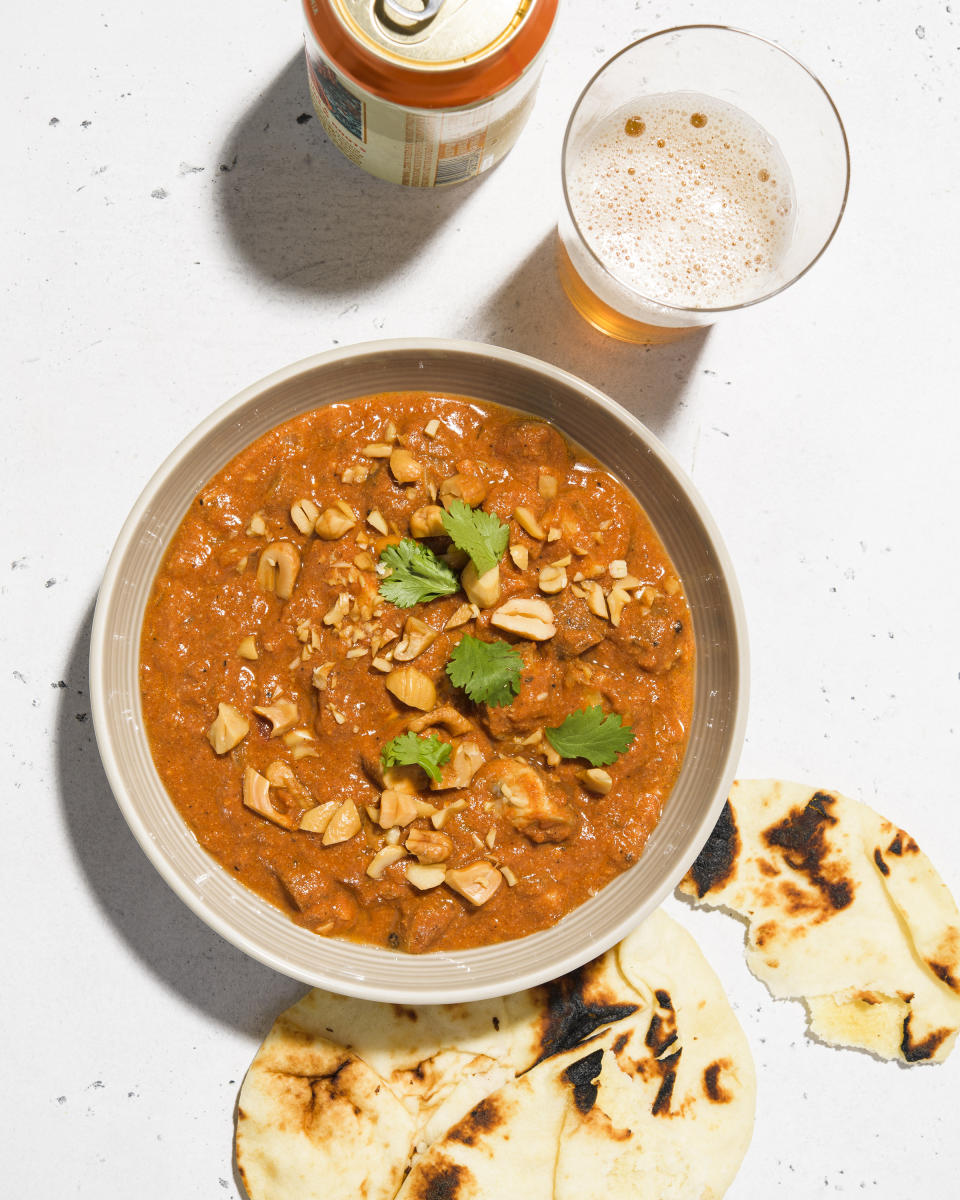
704	170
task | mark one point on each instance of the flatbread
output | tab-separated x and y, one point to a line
462	1101
845	913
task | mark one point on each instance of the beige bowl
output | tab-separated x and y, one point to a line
690	537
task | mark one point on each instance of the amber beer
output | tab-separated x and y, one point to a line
683	205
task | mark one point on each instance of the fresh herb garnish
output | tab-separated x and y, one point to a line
480	534
416	575
591	734
489	672
407	749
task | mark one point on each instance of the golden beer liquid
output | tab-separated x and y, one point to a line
609	320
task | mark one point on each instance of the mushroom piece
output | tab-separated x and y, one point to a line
283	714
482	590
531	805
417	637
228	729
278	568
531	619
477	883
256	797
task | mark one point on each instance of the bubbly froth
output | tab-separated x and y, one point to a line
686	200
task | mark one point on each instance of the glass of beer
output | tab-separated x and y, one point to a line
704	170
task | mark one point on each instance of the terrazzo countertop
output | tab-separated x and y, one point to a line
176	226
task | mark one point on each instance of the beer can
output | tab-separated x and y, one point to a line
425	93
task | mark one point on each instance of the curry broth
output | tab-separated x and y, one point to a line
211	604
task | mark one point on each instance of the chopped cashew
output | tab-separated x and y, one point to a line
417	637
343	825
377	450
283	714
427	522
280	775
547	485
278	568
257	526
248	648
412	687
256	796
477	883
376	519
228	729
460	768
482	590
396	808
429	845
532	619
424	877
447	716
597	780
404	467
385	857
333	523
467	488
520	556
528	523
432	428
304	513
616	601
316	820
553	579
321	675
596	601
463	614
618	569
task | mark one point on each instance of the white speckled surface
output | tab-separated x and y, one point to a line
171	233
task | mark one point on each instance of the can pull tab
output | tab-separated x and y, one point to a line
404	19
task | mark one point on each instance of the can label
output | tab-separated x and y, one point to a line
417	147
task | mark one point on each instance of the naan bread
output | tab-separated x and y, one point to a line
845	913
348	1098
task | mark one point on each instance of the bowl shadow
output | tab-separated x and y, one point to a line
155	925
530	312
304	217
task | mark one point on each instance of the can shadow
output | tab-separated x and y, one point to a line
154	924
530	312
305	218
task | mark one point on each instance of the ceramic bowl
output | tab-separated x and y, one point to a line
691	539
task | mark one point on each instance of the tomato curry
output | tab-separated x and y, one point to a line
343	755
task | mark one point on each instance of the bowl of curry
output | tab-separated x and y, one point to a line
419	671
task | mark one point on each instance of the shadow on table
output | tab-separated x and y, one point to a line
531	313
303	216
192	960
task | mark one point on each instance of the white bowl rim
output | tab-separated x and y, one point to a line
461	988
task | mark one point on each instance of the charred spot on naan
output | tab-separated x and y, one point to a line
919	1051
902	844
715	863
668	1068
582	1076
712	1087
482	1119
945	965
802	838
443	1179
577	1005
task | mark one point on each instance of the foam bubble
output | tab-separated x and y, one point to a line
697	210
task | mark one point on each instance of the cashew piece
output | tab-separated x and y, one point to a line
404	467
283	714
447	716
412	687
333	523
482	590
417	637
228	729
477	883
532	619
278	568
427	522
256	796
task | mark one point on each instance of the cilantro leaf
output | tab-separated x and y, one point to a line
480	534
487	671
407	749
416	575
591	734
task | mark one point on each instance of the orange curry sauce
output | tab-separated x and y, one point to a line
551	834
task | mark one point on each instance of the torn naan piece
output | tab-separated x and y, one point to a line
845	913
658	1101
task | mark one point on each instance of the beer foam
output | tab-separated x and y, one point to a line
686	200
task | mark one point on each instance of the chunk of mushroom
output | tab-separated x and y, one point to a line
344	824
427	522
228	729
531	619
278	568
412	687
482	590
283	714
404	467
429	845
417	637
477	883
256	797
